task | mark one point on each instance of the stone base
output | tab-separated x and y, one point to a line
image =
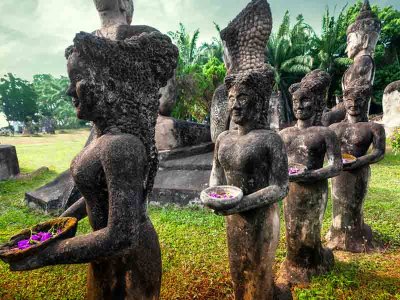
182	175
293	274
172	133
356	241
9	167
55	196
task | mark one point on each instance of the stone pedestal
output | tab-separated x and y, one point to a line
183	174
56	196
9	166
172	133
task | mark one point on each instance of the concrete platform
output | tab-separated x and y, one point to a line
54	197
180	180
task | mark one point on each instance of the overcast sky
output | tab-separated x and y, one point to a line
34	33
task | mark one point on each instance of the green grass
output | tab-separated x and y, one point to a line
195	262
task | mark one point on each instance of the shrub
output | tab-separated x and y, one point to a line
395	140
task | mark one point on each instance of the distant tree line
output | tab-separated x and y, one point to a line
40	104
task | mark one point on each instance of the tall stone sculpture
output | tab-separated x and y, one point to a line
116	17
391	107
307	143
362	37
115	84
251	156
356	135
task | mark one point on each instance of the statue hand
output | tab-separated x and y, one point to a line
299	177
27	263
351	165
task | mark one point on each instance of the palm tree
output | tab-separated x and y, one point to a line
329	49
187	45
212	50
288	52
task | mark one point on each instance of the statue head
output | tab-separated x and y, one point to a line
356	99
248	96
364	33
115	84
309	96
122	8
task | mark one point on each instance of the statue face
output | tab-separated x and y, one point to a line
303	106
243	105
354	105
85	105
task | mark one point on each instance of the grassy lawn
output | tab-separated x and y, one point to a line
195	264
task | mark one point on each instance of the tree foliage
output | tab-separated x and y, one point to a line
288	52
53	104
200	71
18	99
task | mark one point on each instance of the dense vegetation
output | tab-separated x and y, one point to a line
292	51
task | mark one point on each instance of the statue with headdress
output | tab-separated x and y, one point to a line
356	135
250	156
307	143
115	85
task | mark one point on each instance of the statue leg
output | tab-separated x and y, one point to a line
304	208
133	275
348	231
252	241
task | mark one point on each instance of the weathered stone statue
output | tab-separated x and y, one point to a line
307	144
115	84
356	135
391	107
362	37
251	156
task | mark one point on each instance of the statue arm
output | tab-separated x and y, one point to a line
378	149
334	157
278	181
217	173
76	210
124	168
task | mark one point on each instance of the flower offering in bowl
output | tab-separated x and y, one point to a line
296	169
31	241
221	197
348	158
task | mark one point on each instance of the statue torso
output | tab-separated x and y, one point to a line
90	178
363	67
246	159
355	139
305	146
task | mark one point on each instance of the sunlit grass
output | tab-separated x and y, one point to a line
195	262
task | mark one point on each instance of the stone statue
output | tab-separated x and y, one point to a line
115	84
362	37
308	143
391	107
251	157
348	231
